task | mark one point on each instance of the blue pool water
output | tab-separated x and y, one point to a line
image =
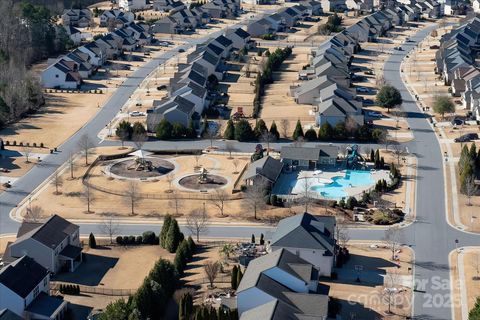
336	189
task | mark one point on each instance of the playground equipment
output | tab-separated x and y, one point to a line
203	177
140	162
258	154
355	159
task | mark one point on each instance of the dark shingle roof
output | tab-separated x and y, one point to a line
267	167
22	275
305	231
223	41
45	305
308	153
52	232
242	33
6	314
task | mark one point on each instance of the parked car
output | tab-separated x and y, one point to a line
363	89
467	137
374	114
457	122
136	114
181	50
163	44
368	102
434	47
398	48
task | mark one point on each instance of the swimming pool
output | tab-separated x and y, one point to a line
336	189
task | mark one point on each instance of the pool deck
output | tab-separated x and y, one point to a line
286	183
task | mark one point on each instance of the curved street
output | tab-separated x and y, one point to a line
430	235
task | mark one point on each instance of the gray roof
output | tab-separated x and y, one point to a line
6	314
282	259
306	231
22	276
45	305
266	167
51	233
308	153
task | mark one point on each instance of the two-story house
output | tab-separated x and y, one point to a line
24	288
54	244
309	237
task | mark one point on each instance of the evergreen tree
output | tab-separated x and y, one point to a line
163	273
167	221
191	133
239	276
274	130
310	135
243	131
298	132
253	238
229	133
233	280
260	128
262	240
204	125
173	238
372	156
124	130
474	313
92	243
138	129
178	131
326	132
191	247
164	130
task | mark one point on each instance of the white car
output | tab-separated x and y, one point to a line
363	89
136	114
374	114
163	44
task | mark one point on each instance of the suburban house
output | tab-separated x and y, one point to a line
24	291
476	6
310	238
266	169
333	5
74	34
54	244
175	110
133	5
261	27
314	7
168	5
359	5
85	68
63	74
281	282
337	109
116	17
77	18
240	38
168	25
97	54
309	157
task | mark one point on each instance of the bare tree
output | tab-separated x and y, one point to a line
218	199
197	222
343	235
235	163
299	142
85	144
390	290
33	214
470	188
210	134
267	137
385	139
132	195
392	237
211	271
71	164
197	156
230	147
398	151
307	194
27	151
175	201
88	196
254	196
109	226
139	140
284	126
170	177
247	68
57	182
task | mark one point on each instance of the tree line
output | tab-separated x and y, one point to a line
469	169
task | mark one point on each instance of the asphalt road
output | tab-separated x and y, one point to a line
430	235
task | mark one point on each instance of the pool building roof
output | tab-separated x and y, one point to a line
308	153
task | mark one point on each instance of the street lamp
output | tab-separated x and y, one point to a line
456	245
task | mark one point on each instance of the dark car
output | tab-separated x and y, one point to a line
457	122
467	137
434	47
181	50
398	48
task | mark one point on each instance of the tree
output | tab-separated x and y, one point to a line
57	182
88	196
227	250
27	151
124	131
235	163
392	238
229	133
85	144
474	313
167	222
284	126
254	196
178	131
470	188
132	195
233	280
139	134
326	132
230	147
340	131
71	164
306	193
298	132
164	130
253	238
92	243
390	289
398	152
442	105
239	276
119	309
274	130
310	135
211	271
191	133
170	177
173	238
342	233
33	214
175	202
218	199
197	222
389	97
267	137
109	226
243	131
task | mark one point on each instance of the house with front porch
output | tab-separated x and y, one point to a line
54	244
24	291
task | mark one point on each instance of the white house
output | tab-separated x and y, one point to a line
54	244
476	6
63	74
310	238
281	276
24	288
74	34
132	5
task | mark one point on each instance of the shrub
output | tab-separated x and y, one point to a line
148	237
341	203
119	240
92	243
131	239
41	145
138	240
310	135
351	203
